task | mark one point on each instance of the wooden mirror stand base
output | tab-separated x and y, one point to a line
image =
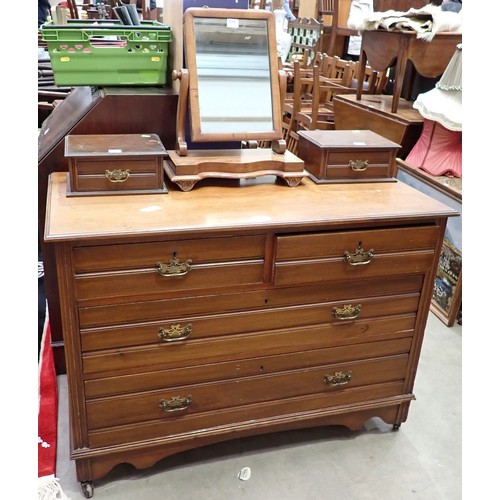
186	171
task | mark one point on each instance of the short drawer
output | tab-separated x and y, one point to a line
97	364
117	176
335	244
167	267
145	255
152	281
324	257
188	400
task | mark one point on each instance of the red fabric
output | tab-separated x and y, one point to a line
438	150
47	407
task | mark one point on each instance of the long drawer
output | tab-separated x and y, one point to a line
210	303
263	364
199	398
187	329
243	346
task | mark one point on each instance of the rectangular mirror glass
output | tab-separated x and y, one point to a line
233	75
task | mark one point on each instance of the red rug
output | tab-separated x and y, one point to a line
48	485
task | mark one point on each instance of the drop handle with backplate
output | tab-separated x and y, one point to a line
347	312
175	333
174	268
338	378
358	165
359	257
175	404
117	175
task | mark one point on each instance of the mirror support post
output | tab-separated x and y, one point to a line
183	76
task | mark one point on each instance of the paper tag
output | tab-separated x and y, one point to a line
244	474
356	143
233	23
115	151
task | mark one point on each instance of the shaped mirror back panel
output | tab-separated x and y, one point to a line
232	63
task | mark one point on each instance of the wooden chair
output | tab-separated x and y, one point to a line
374	82
325	16
306	34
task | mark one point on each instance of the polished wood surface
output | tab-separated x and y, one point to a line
373	112
281	308
382	48
180	212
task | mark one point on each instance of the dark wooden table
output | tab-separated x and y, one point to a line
381	48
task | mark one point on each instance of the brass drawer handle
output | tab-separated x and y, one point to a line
174	268
347	312
359	257
117	175
175	404
358	165
338	378
175	333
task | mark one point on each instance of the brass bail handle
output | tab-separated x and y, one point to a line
338	378
117	175
175	404
175	333
173	268
358	165
347	312
360	257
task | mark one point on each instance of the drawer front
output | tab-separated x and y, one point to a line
122	175
323	257
244	346
172	427
160	310
263	365
360	165
189	329
151	281
146	255
335	244
200	398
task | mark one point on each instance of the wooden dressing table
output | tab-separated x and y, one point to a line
240	308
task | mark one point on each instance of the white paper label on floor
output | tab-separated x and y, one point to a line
245	474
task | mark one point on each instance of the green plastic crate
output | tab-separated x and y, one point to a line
108	53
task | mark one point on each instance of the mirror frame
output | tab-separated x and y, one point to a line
190	15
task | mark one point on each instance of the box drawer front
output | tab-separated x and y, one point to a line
151	281
89	183
117	175
146	255
184	400
243	346
98	166
335	244
161	379
363	164
189	329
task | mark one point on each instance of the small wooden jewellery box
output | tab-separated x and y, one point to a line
115	164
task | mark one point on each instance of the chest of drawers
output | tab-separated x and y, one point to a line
192	318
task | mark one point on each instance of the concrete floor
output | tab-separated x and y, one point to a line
421	461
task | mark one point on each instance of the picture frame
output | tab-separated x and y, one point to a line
447	292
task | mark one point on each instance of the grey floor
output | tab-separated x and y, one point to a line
421	461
